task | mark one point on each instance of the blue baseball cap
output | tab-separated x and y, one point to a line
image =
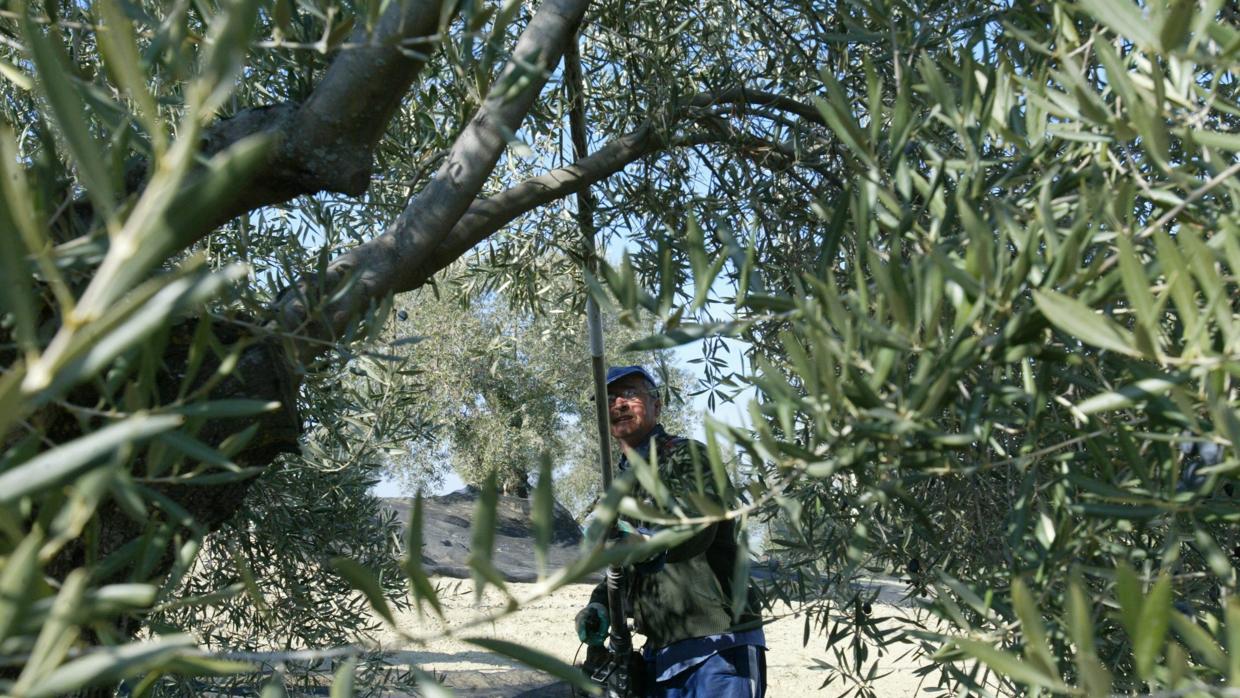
615	373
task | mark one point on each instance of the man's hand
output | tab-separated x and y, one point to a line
592	624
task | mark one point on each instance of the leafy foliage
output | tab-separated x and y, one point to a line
985	255
1001	370
136	405
265	582
505	387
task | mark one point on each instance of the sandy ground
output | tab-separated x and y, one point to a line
547	625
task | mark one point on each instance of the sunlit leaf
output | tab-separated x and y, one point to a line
110	665
1079	320
54	466
1008	664
537	660
364	581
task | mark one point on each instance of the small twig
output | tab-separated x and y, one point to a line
1032	455
1196	194
31	428
292	655
1175	211
262	657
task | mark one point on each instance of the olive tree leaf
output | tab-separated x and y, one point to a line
342	682
482	544
1095	677
1151	628
1231	618
69	460
58	83
362	579
1129	395
543	513
1199	641
108	665
17	577
1123	17
419	584
1009	664
1078	320
538	660
1037	649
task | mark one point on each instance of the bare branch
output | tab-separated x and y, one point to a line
488	215
743	97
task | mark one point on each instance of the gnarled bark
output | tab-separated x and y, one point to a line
327	143
397	260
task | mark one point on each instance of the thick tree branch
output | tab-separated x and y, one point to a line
486	216
327	143
399	259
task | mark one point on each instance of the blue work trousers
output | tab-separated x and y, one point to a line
737	672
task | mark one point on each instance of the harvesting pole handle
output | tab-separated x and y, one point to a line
594	324
618	680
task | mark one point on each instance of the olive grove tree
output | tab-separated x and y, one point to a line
998	361
207	207
504	386
984	252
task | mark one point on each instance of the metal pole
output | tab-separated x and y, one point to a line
620	637
585	219
594	323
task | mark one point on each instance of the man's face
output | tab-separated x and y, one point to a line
632	418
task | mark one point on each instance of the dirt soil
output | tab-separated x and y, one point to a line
547	625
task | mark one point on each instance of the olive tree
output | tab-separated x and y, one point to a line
983	252
502	387
207	208
995	365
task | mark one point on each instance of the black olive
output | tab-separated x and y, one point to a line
914	566
866	608
402	315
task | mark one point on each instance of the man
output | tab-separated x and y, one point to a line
682	599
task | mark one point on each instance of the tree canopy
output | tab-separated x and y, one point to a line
984	253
